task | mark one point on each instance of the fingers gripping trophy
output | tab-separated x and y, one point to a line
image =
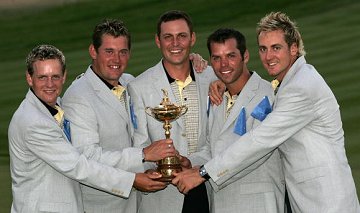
167	112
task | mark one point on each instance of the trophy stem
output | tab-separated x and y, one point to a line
168	165
167	112
167	127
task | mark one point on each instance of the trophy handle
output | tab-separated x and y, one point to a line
149	111
184	109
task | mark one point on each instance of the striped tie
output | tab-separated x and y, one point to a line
230	102
118	91
59	115
275	85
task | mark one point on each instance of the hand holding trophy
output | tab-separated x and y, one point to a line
167	112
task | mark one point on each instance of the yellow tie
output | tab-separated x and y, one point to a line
59	115
118	91
230	101
275	83
182	85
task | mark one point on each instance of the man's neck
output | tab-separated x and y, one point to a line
108	84
178	71
236	87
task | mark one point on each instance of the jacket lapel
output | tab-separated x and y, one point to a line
160	82
289	75
103	93
30	96
243	100
202	92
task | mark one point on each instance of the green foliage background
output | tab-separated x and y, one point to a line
330	31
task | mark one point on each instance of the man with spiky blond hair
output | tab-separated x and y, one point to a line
305	125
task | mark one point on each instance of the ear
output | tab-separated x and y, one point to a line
64	78
193	39
28	78
92	52
157	40
294	49
246	56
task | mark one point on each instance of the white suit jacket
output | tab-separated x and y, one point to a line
45	167
306	126
146	91
261	190
100	128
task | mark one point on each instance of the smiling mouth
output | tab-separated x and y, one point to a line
114	66
175	51
225	72
272	64
49	91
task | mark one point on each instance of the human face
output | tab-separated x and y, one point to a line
175	42
227	62
47	80
277	57
111	58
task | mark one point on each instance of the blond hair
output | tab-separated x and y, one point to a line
280	21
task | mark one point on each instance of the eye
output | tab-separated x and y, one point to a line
167	37
215	58
262	49
55	77
231	56
109	52
183	36
124	52
42	78
277	48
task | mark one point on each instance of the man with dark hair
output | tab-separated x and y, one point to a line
305	125
246	97
97	106
174	73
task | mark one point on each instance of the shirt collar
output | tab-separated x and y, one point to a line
110	86
51	109
171	80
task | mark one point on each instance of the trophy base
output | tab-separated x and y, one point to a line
167	169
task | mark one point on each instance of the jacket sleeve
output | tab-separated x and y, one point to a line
86	138
294	111
47	142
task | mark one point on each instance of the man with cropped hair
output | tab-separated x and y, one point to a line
45	167
305	125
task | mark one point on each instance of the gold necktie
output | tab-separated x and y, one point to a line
118	91
59	115
230	102
182	85
275	83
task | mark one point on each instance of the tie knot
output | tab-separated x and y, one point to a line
230	100
118	91
59	115
275	83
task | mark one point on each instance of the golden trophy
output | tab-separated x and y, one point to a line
167	112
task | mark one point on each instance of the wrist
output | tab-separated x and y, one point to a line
203	173
143	155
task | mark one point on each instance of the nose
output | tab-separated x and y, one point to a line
175	41
268	54
49	82
116	57
224	62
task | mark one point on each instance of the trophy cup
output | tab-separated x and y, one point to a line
167	112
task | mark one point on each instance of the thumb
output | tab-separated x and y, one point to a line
154	175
